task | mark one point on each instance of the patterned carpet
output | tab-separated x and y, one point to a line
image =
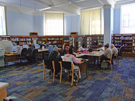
100	85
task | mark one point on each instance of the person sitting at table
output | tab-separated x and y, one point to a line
66	49
71	58
114	50
55	56
107	54
82	48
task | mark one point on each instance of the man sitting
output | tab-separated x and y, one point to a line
107	54
114	50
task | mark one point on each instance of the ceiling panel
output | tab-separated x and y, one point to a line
87	3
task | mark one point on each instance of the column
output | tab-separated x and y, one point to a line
108	23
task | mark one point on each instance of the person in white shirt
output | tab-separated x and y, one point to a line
114	50
107	53
82	48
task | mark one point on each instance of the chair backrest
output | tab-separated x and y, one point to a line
35	53
67	65
120	51
30	51
48	63
24	52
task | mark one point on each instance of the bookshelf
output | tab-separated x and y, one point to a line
94	44
66	40
117	40
133	45
72	41
55	40
15	40
100	40
127	43
41	39
25	40
5	38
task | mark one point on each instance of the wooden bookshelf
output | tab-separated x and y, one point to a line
127	43
55	40
41	39
66	40
25	40
133	45
117	40
5	38
15	40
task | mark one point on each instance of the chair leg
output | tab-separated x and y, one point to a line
78	75
60	76
44	73
68	75
111	65
53	75
72	78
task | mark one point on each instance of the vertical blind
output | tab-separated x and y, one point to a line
54	24
2	21
91	22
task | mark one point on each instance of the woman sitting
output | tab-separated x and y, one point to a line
71	58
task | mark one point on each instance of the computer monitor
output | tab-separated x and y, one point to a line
25	46
42	45
37	46
13	48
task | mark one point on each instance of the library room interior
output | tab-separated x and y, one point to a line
67	50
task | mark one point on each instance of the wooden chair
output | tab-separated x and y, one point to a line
49	65
110	61
68	66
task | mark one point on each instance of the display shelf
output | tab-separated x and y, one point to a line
89	42
72	41
79	42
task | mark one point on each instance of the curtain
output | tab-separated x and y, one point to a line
91	22
54	23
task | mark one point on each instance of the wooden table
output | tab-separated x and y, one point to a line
14	57
3	91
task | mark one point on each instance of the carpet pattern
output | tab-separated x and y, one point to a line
100	85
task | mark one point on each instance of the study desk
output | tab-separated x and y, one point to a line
3	91
14	57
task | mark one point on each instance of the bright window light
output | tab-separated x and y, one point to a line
2	21
128	18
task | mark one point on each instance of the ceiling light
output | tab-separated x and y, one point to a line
44	8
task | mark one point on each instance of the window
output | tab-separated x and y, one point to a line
2	21
128	18
54	23
91	22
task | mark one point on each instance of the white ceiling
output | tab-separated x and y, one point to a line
66	6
